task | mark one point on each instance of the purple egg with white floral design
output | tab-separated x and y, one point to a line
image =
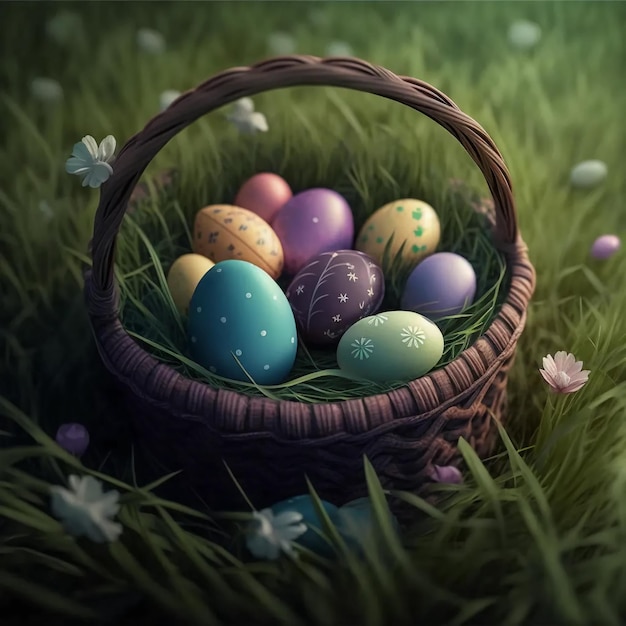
332	292
311	222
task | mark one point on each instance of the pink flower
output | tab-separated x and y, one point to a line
563	372
446	474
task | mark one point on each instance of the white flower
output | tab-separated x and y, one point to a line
243	106
246	119
588	174
319	17
85	510
64	27
46	89
524	34
45	209
92	161
563	372
150	41
339	49
281	43
167	97
269	535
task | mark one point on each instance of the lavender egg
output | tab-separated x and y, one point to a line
443	284
332	292
311	222
605	246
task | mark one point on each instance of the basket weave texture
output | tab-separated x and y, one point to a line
269	445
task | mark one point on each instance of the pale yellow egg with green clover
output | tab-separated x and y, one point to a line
413	225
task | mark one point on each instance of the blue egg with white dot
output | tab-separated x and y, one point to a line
241	321
357	522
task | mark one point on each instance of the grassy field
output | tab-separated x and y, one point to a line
537	535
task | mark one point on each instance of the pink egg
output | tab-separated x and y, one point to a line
264	194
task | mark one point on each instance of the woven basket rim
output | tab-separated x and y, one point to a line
237	413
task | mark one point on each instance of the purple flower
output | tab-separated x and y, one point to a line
73	438
563	372
446	474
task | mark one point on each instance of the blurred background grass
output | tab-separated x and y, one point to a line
547	540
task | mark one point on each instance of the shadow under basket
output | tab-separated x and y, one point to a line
272	446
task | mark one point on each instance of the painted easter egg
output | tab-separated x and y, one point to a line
411	222
305	506
442	284
313	221
237	310
356	523
224	231
264	194
73	437
333	291
588	174
605	247
183	278
390	346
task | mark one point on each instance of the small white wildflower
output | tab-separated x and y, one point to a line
587	174
46	90
281	43
243	106
64	27
85	510
524	35
269	535
246	119
605	246
92	161
150	41
339	49
319	17
167	97
45	209
563	372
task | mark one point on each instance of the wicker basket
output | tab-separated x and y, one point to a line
269	445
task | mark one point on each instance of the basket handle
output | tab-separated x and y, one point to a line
276	73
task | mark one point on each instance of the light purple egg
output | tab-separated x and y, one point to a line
442	284
73	438
605	247
332	292
311	222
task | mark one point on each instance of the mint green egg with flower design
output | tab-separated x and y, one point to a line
391	346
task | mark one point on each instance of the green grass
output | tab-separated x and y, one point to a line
536	535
